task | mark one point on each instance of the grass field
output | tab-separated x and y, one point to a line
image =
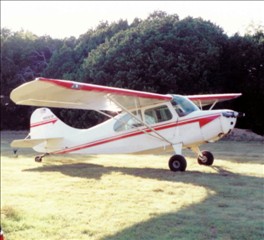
111	197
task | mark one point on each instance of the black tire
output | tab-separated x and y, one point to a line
38	159
207	159
177	163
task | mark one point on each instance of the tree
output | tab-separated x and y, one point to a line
159	54
244	72
24	56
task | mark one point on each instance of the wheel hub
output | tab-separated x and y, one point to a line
203	159
176	164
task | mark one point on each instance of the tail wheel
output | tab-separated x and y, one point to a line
38	159
207	158
177	163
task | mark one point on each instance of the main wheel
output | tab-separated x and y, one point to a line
207	158
177	163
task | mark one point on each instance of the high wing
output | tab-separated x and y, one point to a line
212	99
76	95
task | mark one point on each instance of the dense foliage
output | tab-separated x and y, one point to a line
160	54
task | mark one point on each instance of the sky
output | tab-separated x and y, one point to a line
61	19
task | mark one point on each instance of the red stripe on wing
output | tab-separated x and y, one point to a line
213	97
104	89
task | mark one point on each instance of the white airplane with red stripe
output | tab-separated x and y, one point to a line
145	122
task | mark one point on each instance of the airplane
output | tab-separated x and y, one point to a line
145	122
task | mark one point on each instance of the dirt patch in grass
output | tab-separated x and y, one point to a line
244	135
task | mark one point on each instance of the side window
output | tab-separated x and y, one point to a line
127	122
158	114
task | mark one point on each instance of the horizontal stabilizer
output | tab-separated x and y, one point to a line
30	143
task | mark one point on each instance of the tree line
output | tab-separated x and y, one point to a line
160	54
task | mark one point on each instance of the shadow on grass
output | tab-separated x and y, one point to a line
241	152
235	211
81	170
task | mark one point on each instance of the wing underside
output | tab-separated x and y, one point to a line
75	95
211	99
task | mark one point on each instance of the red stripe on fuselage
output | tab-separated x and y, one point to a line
43	122
206	120
201	120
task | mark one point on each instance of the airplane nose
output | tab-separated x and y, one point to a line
228	120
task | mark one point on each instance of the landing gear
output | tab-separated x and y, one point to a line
177	163
204	157
207	158
39	157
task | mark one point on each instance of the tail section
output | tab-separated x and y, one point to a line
47	132
44	124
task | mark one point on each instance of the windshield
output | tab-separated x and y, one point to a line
183	106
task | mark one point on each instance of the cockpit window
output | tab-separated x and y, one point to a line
183	106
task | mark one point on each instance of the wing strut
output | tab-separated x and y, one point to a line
200	104
139	120
212	106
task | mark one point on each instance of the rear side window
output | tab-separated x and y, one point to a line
158	114
127	122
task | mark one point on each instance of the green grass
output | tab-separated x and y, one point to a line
111	197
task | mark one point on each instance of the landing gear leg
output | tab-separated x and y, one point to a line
39	157
204	157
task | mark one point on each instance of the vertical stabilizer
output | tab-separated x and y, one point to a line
44	124
47	132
